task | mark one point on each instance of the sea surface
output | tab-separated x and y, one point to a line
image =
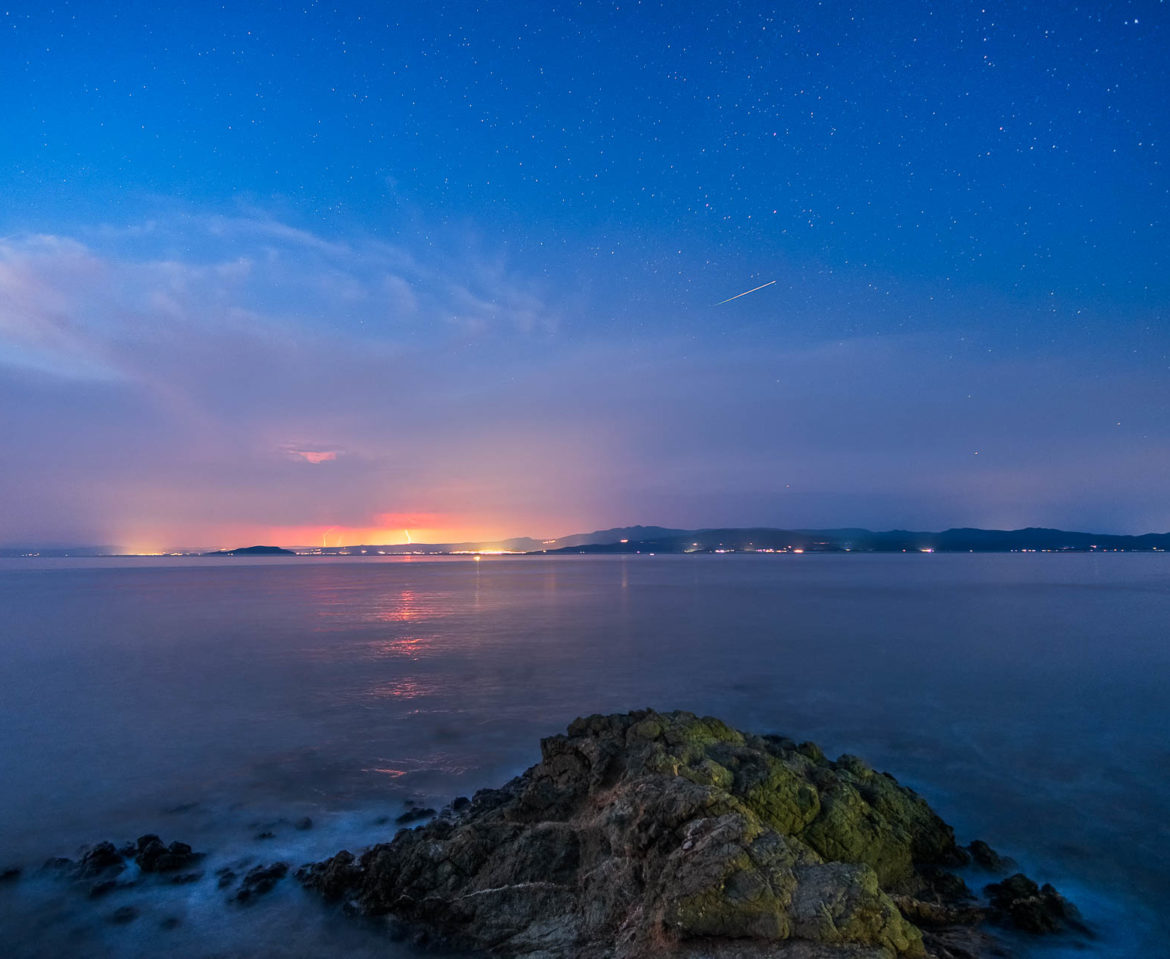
214	700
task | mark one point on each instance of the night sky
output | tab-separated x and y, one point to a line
330	272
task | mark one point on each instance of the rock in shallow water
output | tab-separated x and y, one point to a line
153	856
1019	902
123	915
666	834
414	814
104	857
256	882
987	858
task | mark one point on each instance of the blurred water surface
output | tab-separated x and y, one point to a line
210	700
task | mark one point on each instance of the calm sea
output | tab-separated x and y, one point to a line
1024	695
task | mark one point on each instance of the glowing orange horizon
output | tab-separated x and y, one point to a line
310	535
383	529
335	536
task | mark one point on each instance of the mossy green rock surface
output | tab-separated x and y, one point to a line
650	834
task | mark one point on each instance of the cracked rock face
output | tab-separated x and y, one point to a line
668	834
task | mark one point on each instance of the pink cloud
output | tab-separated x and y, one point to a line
313	456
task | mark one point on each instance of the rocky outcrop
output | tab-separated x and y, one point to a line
1019	902
153	856
256	881
104	868
653	834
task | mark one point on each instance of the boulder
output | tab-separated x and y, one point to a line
987	858
102	868
1020	902
258	881
652	834
414	814
102	858
153	856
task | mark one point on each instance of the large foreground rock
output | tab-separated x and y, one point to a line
654	834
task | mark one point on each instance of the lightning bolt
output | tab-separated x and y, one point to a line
408	539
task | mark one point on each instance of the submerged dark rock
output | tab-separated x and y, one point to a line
105	887
102	858
1019	902
983	855
105	868
415	814
58	864
258	881
653	834
153	856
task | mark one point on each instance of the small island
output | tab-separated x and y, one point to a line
253	551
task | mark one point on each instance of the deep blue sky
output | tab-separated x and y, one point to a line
472	252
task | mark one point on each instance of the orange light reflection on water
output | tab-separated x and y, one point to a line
396	766
402	689
409	647
408	606
339	608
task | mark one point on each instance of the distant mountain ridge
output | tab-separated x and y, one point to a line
864	540
661	539
253	551
658	539
518	544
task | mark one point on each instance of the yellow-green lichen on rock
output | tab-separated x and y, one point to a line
650	834
782	798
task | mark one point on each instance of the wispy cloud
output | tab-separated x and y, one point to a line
204	365
314	456
81	308
42	280
208	374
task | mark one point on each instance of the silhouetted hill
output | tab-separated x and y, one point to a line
863	540
519	544
660	539
632	533
253	551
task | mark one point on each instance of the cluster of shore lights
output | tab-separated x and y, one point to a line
486	552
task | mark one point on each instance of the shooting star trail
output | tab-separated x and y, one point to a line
745	292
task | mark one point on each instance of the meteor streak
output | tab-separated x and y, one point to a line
745	292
